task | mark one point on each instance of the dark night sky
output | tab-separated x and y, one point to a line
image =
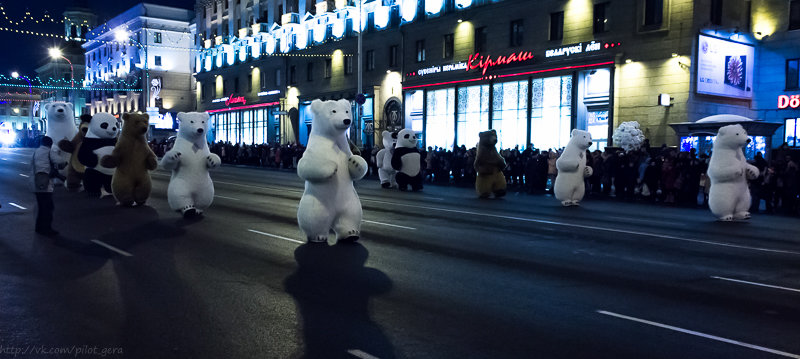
24	53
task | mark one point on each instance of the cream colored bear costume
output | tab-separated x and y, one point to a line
329	168
572	169
190	189
728	171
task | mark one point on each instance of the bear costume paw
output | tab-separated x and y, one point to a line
318	239
727	218
212	161
109	161
66	146
742	215
350	236
357	167
190	212
386	185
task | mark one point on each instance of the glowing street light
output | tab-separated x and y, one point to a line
55	54
15	74
121	35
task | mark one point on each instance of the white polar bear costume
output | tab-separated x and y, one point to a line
60	126
329	168
190	189
384	159
729	197
572	169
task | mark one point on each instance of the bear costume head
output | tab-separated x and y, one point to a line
406	138
59	112
331	119
731	137
580	139
103	125
83	128
389	139
487	138
134	124
193	126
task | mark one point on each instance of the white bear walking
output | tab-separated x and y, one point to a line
384	158
60	126
190	189
329	168
729	197
572	169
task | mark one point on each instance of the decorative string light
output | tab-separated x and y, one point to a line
72	88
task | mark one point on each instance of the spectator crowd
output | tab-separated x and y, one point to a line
659	175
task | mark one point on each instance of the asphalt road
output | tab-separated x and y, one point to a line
437	274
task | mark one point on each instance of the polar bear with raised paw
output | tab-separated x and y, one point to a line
190	189
329	167
572	169
729	197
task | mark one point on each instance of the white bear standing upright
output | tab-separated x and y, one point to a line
329	168
572	169
60	126
190	189
728	171
384	159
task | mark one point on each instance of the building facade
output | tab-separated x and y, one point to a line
19	116
141	61
449	69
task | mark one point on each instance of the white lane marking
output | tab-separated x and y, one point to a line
276	236
758	284
390	225
646	221
23	162
16	205
360	354
111	248
230	198
707	336
23	175
592	227
4	159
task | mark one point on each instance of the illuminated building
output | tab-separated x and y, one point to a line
148	48
451	68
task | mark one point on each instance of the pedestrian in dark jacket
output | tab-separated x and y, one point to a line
42	168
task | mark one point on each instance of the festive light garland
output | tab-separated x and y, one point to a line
72	88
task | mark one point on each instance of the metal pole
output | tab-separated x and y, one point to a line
71	70
360	88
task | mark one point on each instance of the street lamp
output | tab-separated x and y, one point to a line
30	86
55	54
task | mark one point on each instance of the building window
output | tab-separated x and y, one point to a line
157	37
348	65
516	31
448	44
214	6
601	17
236	85
158	60
794	15
790	132
277	77
480	39
654	13
420	50
310	71
292	75
370	60
393	52
328	68
792	74
716	12
263	84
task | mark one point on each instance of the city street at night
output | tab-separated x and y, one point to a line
436	274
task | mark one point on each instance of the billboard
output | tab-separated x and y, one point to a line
724	67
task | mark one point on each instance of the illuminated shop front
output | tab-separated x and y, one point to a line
361	132
249	124
525	102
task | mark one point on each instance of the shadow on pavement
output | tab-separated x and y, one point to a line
332	289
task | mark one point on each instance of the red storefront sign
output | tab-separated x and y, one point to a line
785	101
232	99
485	62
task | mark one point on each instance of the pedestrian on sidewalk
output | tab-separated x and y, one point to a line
43	170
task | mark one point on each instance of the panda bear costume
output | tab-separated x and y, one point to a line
384	159
406	161
100	141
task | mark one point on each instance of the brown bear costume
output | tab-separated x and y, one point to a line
489	165
75	169
133	160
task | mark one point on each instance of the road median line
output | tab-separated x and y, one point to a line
111	248
757	284
276	236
